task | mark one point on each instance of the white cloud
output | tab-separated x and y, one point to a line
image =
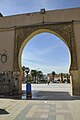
45	51
37	56
31	56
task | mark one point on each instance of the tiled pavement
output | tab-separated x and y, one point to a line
12	109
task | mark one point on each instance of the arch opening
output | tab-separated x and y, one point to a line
36	35
39	33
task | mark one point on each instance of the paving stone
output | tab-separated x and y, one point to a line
41	109
60	117
68	116
52	118
44	116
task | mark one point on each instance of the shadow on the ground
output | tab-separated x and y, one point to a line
53	95
3	111
44	95
11	97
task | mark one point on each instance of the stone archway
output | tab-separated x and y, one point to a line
63	30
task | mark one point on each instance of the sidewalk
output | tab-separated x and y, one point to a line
36	109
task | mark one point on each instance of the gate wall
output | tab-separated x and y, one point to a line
9	45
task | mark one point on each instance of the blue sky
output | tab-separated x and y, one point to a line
12	7
51	56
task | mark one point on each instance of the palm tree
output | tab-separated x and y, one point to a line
23	68
68	79
27	71
34	74
53	74
39	74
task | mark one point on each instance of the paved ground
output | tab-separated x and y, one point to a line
51	102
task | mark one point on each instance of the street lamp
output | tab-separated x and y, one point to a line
42	11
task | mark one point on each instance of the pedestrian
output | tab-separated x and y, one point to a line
48	80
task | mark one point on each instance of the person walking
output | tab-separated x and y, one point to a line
48	80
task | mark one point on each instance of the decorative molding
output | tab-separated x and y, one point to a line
64	30
3	56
